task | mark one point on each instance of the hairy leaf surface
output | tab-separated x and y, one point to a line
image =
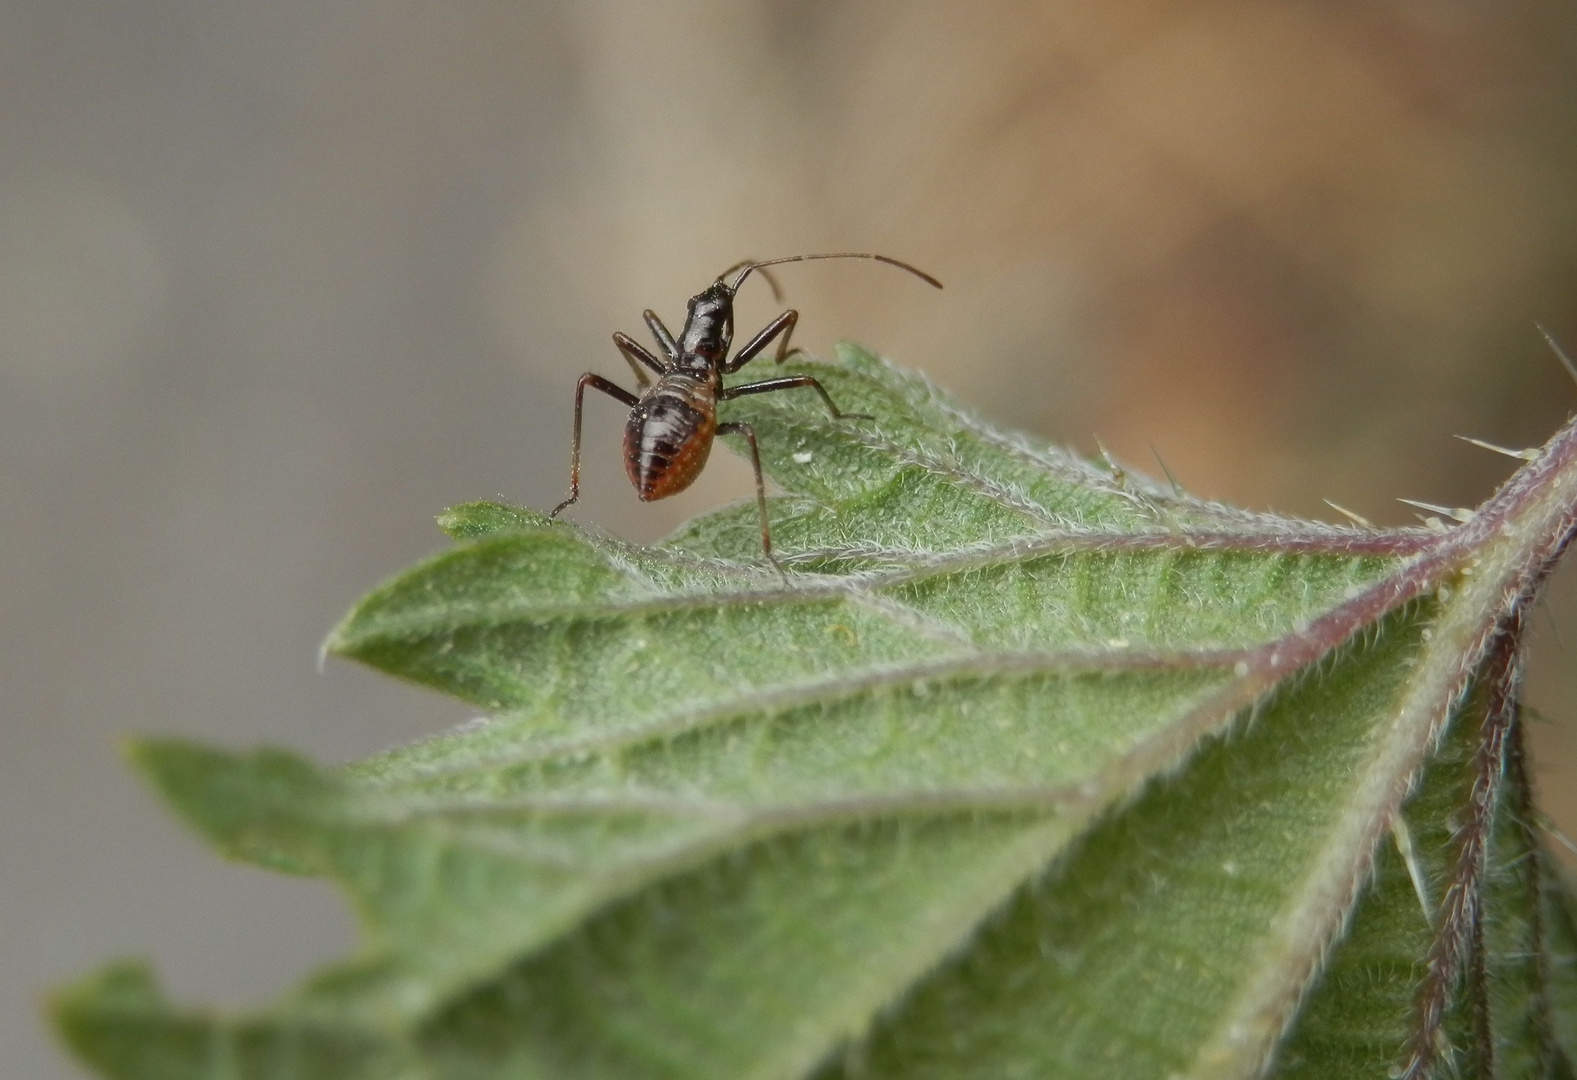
1020	766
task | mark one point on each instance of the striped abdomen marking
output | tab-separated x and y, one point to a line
668	437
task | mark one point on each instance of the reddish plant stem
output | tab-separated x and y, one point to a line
1458	937
1519	796
1478	982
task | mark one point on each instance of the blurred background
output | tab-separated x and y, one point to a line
280	281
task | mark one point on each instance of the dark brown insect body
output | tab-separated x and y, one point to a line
673	421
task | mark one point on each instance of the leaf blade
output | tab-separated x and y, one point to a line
966	799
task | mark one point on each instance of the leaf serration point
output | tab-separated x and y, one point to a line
1356	518
1529	454
1455	513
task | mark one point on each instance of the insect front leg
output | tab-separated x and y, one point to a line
633	351
783	324
660	332
790	382
613	390
737	427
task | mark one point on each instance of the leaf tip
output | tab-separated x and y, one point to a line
482	517
348	638
102	1018
250	806
338	641
123	982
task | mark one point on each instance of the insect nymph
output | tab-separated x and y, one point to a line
673	421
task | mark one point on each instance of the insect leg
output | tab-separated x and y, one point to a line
737	427
789	382
632	351
783	324
613	390
660	332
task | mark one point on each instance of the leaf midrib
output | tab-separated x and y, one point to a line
1492	573
973	665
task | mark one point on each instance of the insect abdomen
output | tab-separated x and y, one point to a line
667	440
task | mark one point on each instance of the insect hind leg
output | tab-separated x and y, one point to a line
613	390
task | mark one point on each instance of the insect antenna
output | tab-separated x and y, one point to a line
772	280
748	267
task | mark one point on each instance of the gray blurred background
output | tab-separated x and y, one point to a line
279	281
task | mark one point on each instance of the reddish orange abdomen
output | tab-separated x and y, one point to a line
668	438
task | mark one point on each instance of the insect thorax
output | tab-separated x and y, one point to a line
709	325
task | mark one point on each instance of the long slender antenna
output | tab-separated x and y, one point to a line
916	271
772	279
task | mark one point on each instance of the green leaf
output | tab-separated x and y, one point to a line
1023	766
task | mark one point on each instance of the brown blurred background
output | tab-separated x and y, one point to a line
280	281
